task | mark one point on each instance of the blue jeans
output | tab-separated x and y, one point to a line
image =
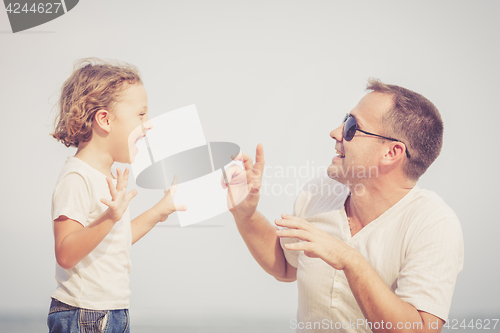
64	318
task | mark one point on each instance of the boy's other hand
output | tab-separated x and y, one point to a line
120	198
166	205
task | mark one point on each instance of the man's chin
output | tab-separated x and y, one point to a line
333	172
336	172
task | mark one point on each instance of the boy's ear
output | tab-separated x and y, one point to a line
102	120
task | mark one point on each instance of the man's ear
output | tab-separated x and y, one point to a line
101	119
395	153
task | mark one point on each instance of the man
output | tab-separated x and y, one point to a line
370	250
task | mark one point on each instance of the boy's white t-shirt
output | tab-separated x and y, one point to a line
100	281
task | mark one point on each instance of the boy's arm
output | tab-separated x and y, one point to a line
142	224
73	241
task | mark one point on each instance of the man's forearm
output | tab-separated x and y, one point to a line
260	237
379	304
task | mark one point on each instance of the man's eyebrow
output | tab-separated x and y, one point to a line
358	121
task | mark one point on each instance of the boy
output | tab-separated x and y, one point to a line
103	112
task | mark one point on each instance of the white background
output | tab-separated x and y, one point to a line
283	73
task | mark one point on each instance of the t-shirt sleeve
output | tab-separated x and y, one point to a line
429	271
72	199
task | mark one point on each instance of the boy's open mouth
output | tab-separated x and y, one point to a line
139	138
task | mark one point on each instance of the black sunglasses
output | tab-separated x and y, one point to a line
351	126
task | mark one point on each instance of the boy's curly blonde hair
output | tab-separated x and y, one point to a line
94	85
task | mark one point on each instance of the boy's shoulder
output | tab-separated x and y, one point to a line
79	184
73	165
76	167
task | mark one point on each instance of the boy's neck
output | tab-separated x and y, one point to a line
96	157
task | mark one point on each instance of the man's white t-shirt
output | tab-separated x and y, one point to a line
416	247
100	281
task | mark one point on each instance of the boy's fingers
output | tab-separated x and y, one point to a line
122	179
181	208
172	190
111	187
119	179
130	195
174	181
106	202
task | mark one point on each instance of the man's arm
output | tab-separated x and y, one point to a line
257	233
377	302
260	237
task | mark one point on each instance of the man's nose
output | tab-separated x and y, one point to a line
336	134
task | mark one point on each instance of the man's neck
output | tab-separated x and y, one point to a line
366	206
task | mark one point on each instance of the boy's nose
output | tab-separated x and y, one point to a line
147	126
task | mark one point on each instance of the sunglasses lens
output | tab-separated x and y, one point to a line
349	128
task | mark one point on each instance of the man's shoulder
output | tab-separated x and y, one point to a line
428	208
430	201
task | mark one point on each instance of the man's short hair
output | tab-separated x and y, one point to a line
94	85
415	121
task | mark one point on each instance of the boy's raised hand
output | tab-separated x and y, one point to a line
166	205
119	196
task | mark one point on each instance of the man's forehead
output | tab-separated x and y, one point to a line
372	107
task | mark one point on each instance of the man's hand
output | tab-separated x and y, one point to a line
316	243
244	185
166	205
119	196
